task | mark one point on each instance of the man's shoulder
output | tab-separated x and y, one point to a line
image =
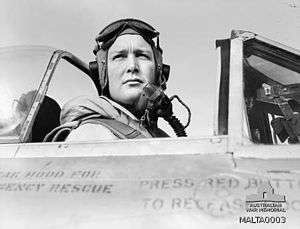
82	106
90	132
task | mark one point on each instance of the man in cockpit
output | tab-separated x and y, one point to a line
127	59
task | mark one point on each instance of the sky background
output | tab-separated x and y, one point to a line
188	33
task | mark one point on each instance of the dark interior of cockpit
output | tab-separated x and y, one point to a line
46	119
272	94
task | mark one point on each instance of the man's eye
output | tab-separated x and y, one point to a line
143	55
119	56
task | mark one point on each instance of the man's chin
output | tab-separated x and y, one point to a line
131	96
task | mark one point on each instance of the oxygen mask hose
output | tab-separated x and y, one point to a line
176	126
156	104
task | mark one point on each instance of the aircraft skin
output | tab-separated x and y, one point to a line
208	181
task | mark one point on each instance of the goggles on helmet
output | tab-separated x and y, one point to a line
108	35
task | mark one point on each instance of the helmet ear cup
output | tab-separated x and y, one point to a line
94	75
102	68
164	76
98	71
162	70
166	71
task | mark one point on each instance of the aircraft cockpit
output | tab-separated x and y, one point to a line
259	90
35	82
262	78
272	92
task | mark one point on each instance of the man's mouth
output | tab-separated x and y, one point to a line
134	80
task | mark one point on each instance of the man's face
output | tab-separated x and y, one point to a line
130	66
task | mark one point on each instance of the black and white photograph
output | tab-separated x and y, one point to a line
149	114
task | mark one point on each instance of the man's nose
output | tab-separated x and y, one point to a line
132	64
